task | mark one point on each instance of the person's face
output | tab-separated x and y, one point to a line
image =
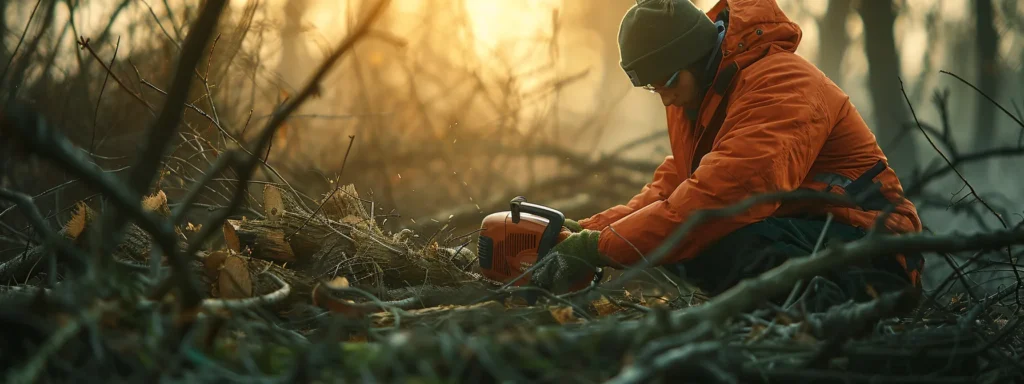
680	90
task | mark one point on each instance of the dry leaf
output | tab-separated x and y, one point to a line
234	281
338	282
156	203
604	307
79	219
563	315
273	204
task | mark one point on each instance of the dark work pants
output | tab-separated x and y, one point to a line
758	247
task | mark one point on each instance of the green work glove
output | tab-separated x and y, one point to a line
572	225
569	262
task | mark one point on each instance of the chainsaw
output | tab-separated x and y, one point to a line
513	241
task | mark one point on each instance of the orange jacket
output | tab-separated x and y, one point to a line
784	122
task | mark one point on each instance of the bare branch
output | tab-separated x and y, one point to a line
166	123
20	40
1009	252
252	302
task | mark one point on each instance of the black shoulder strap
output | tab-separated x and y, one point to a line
722	86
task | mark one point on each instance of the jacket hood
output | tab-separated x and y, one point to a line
755	26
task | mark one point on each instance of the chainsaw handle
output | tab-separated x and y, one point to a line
555	222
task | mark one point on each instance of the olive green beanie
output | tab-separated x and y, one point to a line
659	37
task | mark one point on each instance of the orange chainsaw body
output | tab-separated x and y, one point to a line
506	249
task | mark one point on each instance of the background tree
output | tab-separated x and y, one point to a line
987	45
890	111
833	39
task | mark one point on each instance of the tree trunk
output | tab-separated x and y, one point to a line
890	109
3	28
834	39
987	43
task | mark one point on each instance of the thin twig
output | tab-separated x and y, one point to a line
337	186
96	113
987	154
193	193
24	32
239	304
84	43
1019	122
161	25
1009	252
247	166
166	123
817	245
29	372
206	81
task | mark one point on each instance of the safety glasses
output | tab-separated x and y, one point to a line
668	84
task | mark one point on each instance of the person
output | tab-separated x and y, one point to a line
746	115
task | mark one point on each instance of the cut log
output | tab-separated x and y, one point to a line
345	202
133	249
234	280
135	243
353	246
262	240
273	203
